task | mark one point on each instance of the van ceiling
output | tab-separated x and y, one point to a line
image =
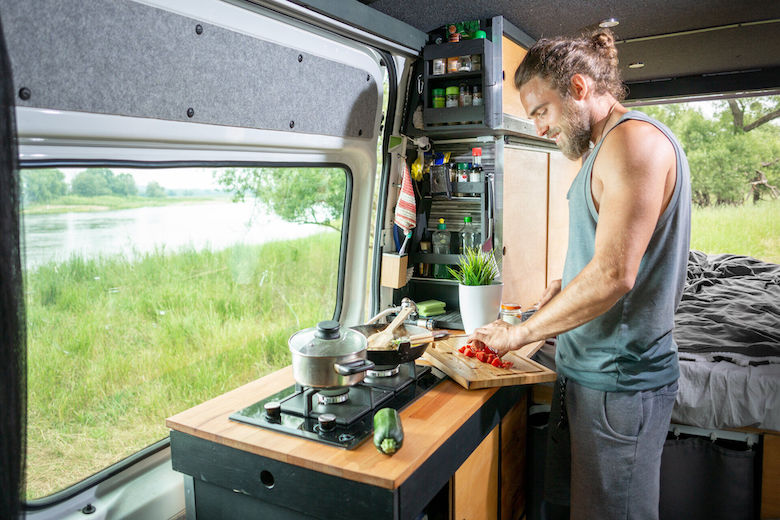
688	47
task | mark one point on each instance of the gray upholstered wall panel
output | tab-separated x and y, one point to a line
121	57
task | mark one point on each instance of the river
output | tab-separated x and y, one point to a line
215	225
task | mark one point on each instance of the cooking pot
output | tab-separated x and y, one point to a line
328	356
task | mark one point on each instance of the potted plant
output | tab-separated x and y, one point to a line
478	291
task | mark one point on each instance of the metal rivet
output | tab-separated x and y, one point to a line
300	58
292	124
25	93
190	112
368	78
382	63
88	509
199	29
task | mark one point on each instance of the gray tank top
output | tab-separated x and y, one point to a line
630	347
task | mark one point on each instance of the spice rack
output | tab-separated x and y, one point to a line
466	117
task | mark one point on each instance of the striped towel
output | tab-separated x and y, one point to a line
406	209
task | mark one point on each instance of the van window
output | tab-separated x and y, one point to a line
149	291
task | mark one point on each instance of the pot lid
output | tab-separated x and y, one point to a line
327	339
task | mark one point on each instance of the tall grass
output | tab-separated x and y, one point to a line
115	346
751	230
80	204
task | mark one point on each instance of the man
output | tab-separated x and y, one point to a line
629	232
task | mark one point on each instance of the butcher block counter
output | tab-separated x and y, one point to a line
453	439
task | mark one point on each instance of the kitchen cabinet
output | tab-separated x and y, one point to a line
235	470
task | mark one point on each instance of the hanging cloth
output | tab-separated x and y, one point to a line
406	208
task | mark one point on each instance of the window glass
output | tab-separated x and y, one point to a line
733	148
151	290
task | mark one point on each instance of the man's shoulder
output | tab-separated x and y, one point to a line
637	139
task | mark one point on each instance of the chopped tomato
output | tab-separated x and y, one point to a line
481	356
469	353
496	363
462	349
490	358
507	364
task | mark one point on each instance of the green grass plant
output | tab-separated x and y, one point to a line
116	346
475	267
749	229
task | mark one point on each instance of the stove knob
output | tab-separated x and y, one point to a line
273	410
327	422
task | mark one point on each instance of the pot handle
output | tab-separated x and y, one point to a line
353	367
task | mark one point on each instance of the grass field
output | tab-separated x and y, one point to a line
751	230
76	203
116	347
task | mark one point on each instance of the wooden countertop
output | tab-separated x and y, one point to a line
428	422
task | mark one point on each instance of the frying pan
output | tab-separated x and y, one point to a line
405	351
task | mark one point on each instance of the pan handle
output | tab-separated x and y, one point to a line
353	367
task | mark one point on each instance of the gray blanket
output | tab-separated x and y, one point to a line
730	310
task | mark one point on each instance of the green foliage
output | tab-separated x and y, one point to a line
43	185
92	182
116	346
154	190
123	185
302	195
727	163
475	267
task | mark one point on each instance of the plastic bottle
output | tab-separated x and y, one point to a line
468	235
441	246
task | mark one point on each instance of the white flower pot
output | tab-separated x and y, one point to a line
479	304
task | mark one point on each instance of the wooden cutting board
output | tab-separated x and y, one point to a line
473	374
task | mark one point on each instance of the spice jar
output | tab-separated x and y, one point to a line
464	99
465	63
439	66
463	172
476	96
439	98
453	64
511	313
453	93
476	62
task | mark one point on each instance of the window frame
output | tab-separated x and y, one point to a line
121	465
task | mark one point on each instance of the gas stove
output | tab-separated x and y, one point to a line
343	416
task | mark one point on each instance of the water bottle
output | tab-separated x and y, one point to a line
441	246
468	235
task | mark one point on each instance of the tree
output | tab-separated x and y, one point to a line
43	185
154	190
729	160
123	185
92	182
760	110
302	195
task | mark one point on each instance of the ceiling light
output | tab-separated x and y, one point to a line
636	65
609	22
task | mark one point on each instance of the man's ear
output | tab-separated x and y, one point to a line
579	87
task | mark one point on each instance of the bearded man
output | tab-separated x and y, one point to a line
613	311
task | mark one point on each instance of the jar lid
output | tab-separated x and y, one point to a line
511	306
464	166
476	151
480	34
438	92
453	90
327	339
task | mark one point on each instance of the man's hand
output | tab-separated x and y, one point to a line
498	336
549	293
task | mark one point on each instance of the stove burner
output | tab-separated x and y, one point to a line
294	410
384	373
330	398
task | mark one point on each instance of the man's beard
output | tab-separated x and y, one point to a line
575	130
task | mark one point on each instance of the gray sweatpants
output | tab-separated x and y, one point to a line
612	443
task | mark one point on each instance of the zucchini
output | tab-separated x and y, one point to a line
388	432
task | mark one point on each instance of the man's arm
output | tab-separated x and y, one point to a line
630	185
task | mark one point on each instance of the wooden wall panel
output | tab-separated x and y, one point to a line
511	56
475	484
770	477
524	225
562	173
513	462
